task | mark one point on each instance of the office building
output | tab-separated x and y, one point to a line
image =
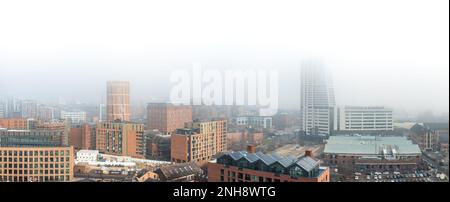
14	108
316	100
29	109
74	117
39	163
121	138
38	154
363	118
3	109
40	136
247	166
167	117
264	122
372	153
199	141
118	100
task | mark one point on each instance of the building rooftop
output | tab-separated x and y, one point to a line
172	172
305	162
187	131
437	125
369	108
370	145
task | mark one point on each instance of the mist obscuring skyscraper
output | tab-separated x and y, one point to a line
29	109
102	113
3	109
118	100
316	99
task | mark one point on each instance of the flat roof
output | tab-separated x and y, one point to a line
370	145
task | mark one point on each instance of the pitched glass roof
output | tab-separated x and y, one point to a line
306	163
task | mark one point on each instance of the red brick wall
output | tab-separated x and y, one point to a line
214	175
16	123
178	151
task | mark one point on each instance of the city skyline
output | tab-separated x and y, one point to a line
224	91
385	60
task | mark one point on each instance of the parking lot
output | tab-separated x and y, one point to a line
418	176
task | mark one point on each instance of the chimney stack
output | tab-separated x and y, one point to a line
251	148
309	153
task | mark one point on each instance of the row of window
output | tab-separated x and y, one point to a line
41	165
242	177
41	159
34	172
35	179
34	153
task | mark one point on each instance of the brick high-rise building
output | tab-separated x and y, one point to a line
167	117
118	100
199	141
121	138
81	137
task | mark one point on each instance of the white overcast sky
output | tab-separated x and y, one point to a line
384	52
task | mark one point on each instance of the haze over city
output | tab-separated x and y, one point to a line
380	57
237	99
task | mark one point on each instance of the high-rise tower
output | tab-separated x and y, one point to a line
316	99
118	100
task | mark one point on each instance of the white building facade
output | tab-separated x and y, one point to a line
255	121
87	156
76	117
363	118
316	100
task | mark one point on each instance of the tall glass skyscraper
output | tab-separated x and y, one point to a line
316	99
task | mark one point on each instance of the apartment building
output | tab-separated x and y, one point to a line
167	117
199	141
121	138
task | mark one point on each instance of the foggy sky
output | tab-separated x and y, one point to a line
387	52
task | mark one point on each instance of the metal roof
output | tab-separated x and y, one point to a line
306	162
369	145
